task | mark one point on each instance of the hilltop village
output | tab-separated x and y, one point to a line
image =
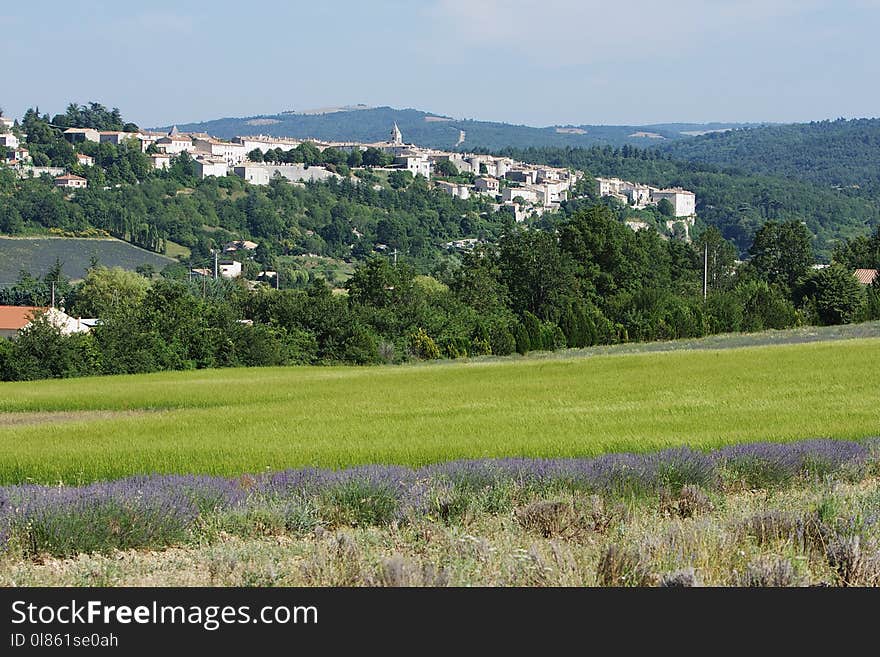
526	189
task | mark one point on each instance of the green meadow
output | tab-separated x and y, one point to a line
250	420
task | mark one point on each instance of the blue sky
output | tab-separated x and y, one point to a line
539	62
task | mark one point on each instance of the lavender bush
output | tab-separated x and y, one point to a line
158	510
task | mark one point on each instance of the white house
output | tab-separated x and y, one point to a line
85	160
255	174
116	136
17	156
527	194
229	269
456	190
418	165
9	140
160	160
683	202
175	142
14	319
76	135
71	182
205	166
232	153
487	185
6	122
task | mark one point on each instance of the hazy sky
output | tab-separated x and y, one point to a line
539	62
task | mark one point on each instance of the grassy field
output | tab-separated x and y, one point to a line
249	420
38	254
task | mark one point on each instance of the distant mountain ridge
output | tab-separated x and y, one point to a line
369	124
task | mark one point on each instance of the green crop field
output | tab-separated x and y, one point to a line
249	420
37	255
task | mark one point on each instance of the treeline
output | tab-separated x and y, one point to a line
334	218
94	115
737	204
590	281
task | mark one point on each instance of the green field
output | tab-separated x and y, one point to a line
249	420
37	255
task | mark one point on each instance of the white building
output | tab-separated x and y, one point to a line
6	122
684	203
264	143
229	269
9	140
485	185
160	160
527	194
116	136
174	142
255	174
418	165
147	139
456	190
17	156
71	182
261	173
522	175
231	152
85	160
206	166
76	135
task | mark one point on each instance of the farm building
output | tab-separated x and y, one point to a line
15	318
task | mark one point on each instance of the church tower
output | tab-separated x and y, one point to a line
396	136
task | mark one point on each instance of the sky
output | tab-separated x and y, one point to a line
535	62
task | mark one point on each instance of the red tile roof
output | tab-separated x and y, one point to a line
17	317
865	276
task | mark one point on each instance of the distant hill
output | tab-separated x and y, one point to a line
842	153
360	123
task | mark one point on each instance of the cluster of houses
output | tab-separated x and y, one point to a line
527	189
640	196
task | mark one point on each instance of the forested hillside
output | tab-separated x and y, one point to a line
842	153
738	204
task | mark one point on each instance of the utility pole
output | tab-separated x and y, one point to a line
705	269
216	257
53	294
394	253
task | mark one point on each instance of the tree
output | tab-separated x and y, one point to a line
782	253
445	168
400	179
721	256
373	157
538	275
833	294
666	208
104	291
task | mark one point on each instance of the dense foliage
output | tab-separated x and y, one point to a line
591	281
841	153
738	204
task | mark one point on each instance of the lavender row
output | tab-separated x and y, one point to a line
156	510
